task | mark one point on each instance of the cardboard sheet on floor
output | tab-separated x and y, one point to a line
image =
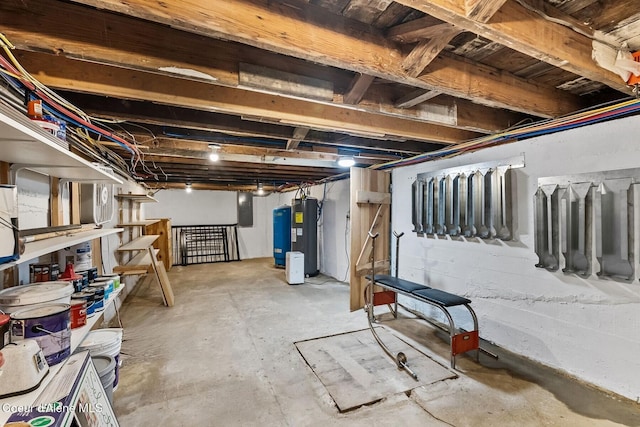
355	370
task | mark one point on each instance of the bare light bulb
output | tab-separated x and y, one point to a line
346	162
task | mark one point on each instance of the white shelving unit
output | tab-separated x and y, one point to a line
42	247
25	144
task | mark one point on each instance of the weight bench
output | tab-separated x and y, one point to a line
460	342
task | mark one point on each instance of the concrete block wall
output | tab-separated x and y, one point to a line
589	328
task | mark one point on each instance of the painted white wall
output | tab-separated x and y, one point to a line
588	328
199	207
202	207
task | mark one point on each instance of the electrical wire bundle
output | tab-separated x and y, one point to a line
82	132
572	121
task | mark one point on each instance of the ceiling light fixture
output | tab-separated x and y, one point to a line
260	189
214	156
346	162
187	188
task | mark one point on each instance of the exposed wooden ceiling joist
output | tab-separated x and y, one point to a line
298	135
63	73
166	146
191	56
303	30
427	50
526	31
359	85
482	10
157	117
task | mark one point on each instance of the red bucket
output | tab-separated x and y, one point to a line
78	313
5	329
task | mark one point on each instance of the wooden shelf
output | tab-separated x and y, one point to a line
25	144
42	247
141	223
140	244
77	336
140	198
138	265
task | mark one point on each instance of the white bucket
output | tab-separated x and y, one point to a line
35	295
79	255
104	342
106	368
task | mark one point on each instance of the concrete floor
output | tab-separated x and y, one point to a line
224	355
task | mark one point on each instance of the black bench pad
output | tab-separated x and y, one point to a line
442	298
400	284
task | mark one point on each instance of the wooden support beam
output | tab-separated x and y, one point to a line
353	46
194	57
59	72
358	87
427	50
298	135
416	30
527	32
482	10
416	97
281	82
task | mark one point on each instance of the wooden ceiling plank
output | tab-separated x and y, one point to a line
298	135
482	10
311	33
526	31
58	72
366	10
427	50
416	97
358	87
416	30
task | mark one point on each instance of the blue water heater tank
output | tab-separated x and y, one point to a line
281	234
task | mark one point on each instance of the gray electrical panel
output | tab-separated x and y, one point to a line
304	232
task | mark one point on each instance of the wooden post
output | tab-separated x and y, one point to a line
366	186
74	193
55	203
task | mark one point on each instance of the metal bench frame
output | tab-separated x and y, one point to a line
460	341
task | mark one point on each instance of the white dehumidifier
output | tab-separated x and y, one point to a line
294	268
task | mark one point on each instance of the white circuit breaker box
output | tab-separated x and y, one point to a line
294	268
